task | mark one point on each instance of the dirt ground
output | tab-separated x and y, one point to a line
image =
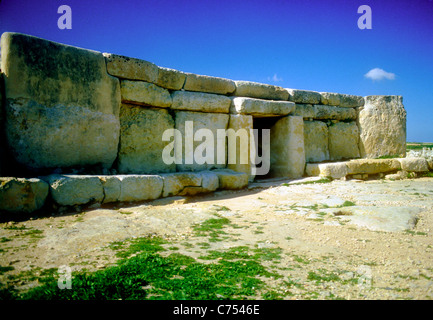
342	239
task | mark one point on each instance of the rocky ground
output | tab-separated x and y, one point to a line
340	239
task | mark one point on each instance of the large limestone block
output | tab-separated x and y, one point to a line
316	141
351	101
335	170
323	112
201	83
69	190
304	96
287	148
373	166
330	98
382	127
260	107
197	145
22	195
189	183
304	110
144	93
141	144
111	187
140	187
198	101
239	144
62	107
137	69
414	164
343	140
260	91
231	180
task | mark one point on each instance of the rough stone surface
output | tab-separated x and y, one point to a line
351	101
144	93
343	141
330	98
170	78
430	164
304	96
198	101
372	166
61	105
111	187
323	112
260	91
141	145
199	120
140	187
414	164
260	107
131	68
241	125
175	183
335	170
208	84
287	147
316	141
382	126
22	195
304	110
69	190
231	180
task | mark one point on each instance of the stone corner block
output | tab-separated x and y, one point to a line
22	195
414	164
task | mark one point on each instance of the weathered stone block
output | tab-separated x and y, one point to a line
335	170
322	112
304	110
231	180
198	101
131	68
144	93
22	195
260	91
316	141
373	166
260	107
62	107
111	187
304	96
175	183
170	78
382	127
414	164
351	101
330	98
69	190
208	84
140	187
343	141
287	147
141	145
191	142
238	155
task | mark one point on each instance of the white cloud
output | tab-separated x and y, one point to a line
275	78
379	74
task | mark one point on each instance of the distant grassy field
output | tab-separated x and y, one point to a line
418	145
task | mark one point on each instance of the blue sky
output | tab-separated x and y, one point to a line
302	44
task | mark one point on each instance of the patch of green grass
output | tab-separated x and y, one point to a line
347	204
415	233
6	269
388	157
4	239
134	246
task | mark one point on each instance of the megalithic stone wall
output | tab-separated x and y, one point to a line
72	110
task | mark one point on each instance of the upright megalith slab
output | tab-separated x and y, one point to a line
287	147
62	108
316	141
343	140
141	144
202	147
382	126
